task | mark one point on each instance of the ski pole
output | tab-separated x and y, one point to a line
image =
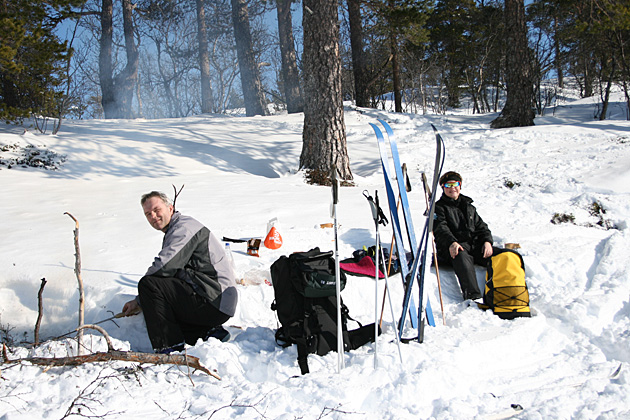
377	215
379	218
376	276
391	308
335	200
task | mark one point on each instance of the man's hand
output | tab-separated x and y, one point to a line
487	249
454	249
131	308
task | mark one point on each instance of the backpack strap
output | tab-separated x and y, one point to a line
345	314
302	357
303	341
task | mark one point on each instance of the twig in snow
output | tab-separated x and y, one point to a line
327	410
253	406
40	307
87	395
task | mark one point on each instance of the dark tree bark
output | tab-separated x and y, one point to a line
105	67
250	72
558	54
204	59
290	74
605	92
396	73
117	92
324	134
126	81
517	111
359	67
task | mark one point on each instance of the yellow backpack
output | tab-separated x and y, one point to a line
506	291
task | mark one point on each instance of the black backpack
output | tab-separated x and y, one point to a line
306	305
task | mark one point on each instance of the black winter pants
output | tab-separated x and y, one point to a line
464	265
174	313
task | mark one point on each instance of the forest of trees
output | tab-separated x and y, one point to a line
174	58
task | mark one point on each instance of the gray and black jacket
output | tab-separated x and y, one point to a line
192	253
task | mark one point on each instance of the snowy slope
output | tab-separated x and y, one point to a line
570	360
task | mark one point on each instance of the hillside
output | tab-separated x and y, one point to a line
570	360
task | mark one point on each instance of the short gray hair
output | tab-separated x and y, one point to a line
158	194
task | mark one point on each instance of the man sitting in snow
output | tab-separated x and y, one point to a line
190	290
462	238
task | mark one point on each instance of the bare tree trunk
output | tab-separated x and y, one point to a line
359	68
396	73
605	92
105	67
204	59
517	111
290	74
250	72
324	135
125	82
558	57
117	92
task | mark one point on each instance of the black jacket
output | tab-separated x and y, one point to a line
458	221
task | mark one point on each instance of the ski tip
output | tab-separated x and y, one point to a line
386	126
376	129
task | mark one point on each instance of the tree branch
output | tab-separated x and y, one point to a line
41	310
124	356
77	271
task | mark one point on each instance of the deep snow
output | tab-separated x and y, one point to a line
570	360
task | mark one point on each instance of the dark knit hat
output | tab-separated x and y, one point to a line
450	176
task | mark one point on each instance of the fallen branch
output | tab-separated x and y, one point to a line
110	347
124	356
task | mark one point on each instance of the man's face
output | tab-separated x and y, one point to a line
157	212
452	189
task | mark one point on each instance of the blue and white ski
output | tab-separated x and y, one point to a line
391	199
418	268
404	201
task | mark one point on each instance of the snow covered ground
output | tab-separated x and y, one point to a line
571	360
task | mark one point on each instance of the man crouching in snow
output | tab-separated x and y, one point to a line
190	290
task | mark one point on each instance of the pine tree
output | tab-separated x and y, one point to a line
518	109
324	134
32	57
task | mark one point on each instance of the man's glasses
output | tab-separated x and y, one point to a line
452	184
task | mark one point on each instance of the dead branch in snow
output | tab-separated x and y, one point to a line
124	356
77	271
112	354
40	307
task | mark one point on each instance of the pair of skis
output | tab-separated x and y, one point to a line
416	267
419	264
